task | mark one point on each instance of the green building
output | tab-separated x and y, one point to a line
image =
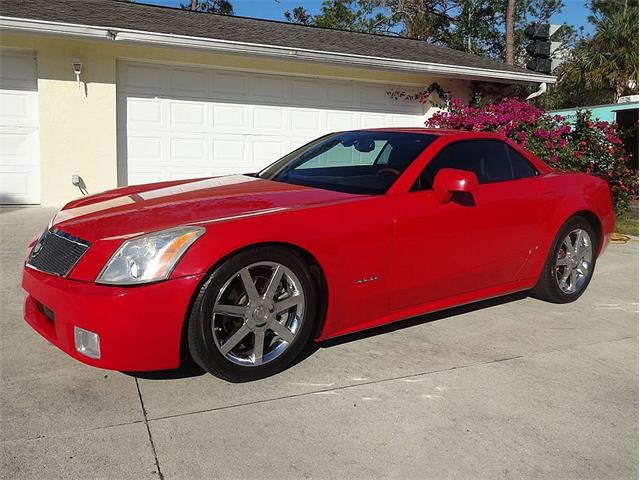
624	113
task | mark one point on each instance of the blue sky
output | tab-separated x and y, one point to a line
575	11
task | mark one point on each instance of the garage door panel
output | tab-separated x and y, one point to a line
141	79
404	120
139	176
337	121
19	136
14	186
145	112
191	151
144	150
18	71
296	143
17	147
307	91
226	84
267	150
18	108
190	82
268	119
305	120
230	116
268	87
339	93
373	95
200	122
372	120
232	150
189	115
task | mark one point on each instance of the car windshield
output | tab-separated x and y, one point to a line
364	162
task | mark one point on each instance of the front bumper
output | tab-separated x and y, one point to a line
139	327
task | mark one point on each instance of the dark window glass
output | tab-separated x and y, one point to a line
488	159
521	166
367	162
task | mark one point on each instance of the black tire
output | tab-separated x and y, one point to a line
547	287
201	343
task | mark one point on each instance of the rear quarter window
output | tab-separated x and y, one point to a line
522	168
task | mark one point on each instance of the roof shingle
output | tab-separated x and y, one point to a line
119	14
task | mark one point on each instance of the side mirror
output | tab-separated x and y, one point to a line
451	180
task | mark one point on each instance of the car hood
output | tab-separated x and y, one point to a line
131	211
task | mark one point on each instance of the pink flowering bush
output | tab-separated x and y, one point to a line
589	146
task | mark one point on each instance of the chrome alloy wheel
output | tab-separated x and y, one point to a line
574	261
258	313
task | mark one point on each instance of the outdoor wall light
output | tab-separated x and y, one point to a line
77	68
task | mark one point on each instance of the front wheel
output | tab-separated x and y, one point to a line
253	315
570	263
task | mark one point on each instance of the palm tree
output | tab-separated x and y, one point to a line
510	35
609	60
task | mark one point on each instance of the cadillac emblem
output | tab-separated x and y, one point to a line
37	248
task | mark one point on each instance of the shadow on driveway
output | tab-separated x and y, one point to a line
189	368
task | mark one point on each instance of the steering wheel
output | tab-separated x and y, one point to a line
389	170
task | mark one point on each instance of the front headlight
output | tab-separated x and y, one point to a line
150	257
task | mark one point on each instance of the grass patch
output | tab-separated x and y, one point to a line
627	223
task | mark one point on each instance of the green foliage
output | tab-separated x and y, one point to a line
596	148
222	7
355	15
602	68
424	96
428	20
470	25
606	8
588	146
627	224
420	19
479	27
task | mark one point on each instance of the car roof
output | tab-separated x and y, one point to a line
440	132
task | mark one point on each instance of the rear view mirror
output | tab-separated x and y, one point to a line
365	145
451	180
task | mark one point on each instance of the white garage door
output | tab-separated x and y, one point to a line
19	152
176	122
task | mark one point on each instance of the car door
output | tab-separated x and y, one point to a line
475	241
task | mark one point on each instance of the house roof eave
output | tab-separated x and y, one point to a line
282	52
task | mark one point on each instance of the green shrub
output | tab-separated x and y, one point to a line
587	146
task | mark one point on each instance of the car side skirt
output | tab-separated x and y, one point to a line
436	306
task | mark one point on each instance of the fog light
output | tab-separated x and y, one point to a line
87	343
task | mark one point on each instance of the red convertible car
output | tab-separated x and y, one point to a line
352	231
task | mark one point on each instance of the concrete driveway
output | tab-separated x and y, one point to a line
513	388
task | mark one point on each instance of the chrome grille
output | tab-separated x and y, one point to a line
57	252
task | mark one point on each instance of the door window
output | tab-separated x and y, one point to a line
490	160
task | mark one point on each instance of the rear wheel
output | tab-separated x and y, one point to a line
253	315
570	263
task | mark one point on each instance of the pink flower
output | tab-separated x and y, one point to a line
540	133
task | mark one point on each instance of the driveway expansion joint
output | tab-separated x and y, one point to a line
146	423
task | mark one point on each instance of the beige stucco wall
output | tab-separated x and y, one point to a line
78	124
